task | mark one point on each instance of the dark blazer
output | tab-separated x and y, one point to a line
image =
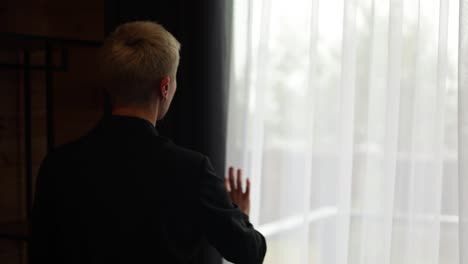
124	194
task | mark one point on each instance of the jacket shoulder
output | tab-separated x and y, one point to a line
180	152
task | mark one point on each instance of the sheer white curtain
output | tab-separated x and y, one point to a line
344	114
463	131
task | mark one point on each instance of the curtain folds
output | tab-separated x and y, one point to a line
463	130
345	115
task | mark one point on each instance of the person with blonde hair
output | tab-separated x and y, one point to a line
123	193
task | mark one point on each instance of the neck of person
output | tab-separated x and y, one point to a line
147	113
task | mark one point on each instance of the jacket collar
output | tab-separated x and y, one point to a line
127	124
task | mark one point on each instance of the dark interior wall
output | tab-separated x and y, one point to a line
77	104
68	19
197	118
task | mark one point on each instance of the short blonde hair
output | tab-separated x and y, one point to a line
135	58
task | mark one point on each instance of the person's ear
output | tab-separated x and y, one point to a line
164	86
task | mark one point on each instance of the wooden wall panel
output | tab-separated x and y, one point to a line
11	160
82	19
78	96
11	180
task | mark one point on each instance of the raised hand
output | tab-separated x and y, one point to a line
234	186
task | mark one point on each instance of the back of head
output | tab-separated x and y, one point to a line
134	59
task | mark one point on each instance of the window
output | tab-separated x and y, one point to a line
344	114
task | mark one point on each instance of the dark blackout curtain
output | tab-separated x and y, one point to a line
197	118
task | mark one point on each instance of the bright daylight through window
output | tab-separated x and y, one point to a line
344	114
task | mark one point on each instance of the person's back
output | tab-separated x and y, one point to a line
123	194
